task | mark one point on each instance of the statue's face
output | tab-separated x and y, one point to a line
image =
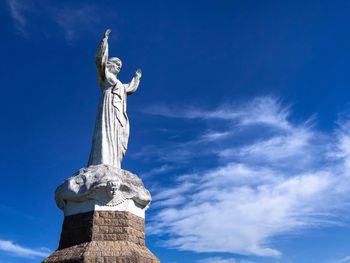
114	67
112	188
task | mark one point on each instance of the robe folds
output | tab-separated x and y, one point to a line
111	133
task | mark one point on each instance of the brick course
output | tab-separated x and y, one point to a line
102	237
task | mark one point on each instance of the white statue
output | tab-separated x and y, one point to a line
111	133
103	185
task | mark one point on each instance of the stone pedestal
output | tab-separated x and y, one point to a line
104	210
102	237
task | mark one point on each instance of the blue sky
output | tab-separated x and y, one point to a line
240	127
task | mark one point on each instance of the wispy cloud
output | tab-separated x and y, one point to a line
262	110
159	170
222	260
214	136
17	9
263	113
345	259
341	260
74	19
20	251
280	177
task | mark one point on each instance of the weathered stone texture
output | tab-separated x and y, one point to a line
102	237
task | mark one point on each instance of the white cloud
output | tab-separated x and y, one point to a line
232	213
341	260
346	259
283	178
214	136
19	251
262	110
17	9
73	19
280	149
222	260
159	170
263	113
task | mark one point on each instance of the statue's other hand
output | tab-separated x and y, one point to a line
138	73
107	32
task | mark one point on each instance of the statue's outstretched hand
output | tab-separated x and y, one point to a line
107	32
138	73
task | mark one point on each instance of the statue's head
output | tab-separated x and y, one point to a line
114	65
111	188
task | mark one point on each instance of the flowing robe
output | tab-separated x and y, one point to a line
111	134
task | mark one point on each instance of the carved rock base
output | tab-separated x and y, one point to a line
102	237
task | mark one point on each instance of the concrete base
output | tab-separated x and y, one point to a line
73	208
102	237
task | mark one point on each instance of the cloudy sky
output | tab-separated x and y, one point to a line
240	127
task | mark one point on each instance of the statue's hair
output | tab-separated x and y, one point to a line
114	60
112	183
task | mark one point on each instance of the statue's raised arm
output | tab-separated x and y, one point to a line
102	57
133	85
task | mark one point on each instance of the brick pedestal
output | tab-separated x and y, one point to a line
102	237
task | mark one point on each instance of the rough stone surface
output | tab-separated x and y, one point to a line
94	182
102	237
